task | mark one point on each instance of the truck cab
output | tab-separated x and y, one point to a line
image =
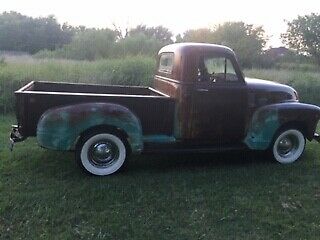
200	102
210	90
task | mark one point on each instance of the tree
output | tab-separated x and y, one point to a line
202	35
91	44
303	35
179	38
159	33
247	41
23	33
138	44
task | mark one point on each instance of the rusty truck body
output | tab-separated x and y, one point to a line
201	102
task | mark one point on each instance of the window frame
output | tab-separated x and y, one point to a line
169	70
232	60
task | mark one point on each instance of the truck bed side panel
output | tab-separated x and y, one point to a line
156	114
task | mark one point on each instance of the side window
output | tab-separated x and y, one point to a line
166	63
216	69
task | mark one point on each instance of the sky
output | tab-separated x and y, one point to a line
178	16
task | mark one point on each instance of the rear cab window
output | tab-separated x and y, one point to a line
166	63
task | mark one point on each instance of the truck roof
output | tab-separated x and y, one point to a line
183	48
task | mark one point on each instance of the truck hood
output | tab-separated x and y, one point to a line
278	92
261	84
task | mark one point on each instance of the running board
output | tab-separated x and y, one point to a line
195	150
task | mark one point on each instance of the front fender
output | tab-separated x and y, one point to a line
59	128
268	119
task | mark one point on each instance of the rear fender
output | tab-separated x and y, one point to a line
59	128
268	119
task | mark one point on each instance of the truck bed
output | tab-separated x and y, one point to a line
81	88
154	109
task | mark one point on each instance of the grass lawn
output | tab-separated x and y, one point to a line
44	195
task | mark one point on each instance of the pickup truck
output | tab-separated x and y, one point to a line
201	102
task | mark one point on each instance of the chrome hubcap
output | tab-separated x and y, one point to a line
103	154
287	145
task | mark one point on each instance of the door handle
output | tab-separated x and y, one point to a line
202	90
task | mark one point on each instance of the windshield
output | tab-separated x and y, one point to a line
216	69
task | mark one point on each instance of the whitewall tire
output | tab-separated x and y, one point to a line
101	154
288	146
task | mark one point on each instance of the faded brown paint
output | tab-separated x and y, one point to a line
41	98
196	115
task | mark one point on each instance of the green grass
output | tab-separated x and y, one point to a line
44	195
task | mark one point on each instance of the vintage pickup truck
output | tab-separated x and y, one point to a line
200	102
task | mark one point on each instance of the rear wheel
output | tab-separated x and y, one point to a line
101	153
288	146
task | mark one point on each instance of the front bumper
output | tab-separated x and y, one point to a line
15	136
316	137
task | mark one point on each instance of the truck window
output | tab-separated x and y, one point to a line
166	63
216	69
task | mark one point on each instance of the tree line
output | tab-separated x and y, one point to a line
46	38
27	34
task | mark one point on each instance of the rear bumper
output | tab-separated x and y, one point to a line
15	136
316	137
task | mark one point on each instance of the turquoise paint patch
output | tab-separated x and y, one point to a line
158	139
264	125
59	128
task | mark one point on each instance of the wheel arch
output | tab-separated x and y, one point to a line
268	120
294	124
60	128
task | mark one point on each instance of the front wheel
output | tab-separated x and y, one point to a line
101	154
288	146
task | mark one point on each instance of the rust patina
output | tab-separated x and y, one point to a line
59	128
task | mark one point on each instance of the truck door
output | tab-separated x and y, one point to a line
219	106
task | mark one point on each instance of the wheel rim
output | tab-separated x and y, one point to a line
288	145
103	153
